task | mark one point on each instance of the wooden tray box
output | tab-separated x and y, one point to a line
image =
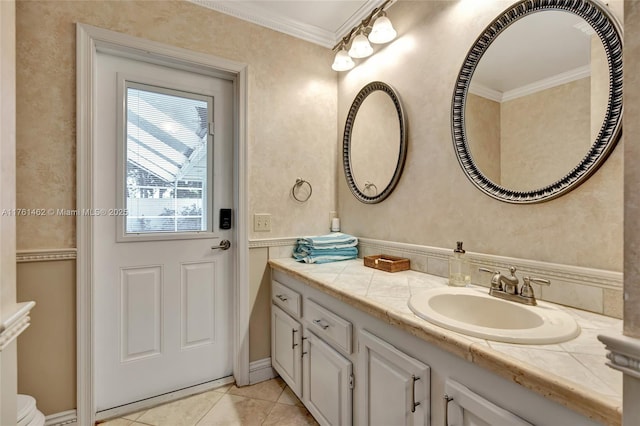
386	262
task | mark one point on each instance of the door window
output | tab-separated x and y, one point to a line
167	186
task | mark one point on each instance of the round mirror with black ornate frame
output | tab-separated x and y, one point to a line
374	145
528	153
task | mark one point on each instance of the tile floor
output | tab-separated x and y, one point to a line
266	403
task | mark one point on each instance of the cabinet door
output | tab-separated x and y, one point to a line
467	408
327	382
286	342
394	388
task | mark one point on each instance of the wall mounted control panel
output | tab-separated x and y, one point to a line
225	218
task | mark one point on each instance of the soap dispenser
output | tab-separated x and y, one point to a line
459	268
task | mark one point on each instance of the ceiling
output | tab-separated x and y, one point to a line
322	22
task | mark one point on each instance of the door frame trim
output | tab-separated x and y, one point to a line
90	40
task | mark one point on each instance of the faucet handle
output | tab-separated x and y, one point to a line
540	281
527	290
495	279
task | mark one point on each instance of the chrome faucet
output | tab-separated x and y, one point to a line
506	288
510	284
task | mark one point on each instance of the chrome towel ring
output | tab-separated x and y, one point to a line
296	187
369	185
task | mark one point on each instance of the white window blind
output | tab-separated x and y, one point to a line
166	188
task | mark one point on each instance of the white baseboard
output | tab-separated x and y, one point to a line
261	370
66	418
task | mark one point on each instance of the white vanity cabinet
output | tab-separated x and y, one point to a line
304	353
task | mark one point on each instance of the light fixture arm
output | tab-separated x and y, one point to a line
363	25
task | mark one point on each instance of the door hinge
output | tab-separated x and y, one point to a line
212	128
351	381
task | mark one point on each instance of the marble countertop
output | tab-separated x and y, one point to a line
571	373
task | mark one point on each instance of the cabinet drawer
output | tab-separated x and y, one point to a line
328	325
286	298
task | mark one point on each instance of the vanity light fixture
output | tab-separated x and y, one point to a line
343	61
360	47
380	32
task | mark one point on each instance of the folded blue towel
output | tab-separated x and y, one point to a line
308	251
326	248
324	259
333	240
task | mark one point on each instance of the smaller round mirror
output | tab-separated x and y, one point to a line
374	144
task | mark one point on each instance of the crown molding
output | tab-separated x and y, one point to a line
485	92
247	12
357	18
548	83
529	89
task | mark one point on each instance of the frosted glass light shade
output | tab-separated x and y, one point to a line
360	47
382	31
343	61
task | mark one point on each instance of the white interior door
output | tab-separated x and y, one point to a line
162	294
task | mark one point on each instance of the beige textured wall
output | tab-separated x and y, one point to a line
434	204
632	172
482	118
260	303
292	132
292	107
631	391
47	349
535	155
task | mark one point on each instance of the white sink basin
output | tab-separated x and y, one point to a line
474	312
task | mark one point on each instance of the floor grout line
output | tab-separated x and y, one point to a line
273	406
209	410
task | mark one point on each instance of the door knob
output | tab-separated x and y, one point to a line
224	245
